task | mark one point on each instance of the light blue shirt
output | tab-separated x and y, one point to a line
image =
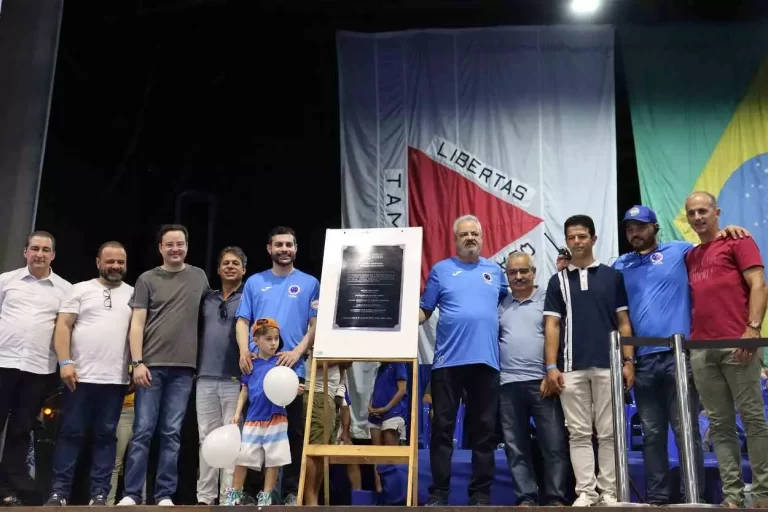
291	300
657	289
521	338
468	295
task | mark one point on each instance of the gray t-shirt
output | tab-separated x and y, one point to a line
521	338
172	301
219	353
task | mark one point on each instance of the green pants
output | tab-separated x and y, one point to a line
726	386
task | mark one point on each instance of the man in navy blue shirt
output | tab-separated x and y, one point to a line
656	280
467	289
584	303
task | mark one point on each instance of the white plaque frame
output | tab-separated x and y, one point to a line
361	343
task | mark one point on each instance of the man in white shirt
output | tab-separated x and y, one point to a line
91	341
29	301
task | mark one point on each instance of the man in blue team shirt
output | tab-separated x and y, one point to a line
656	281
290	297
583	305
467	289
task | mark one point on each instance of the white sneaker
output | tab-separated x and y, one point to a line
165	502
127	502
608	499
583	501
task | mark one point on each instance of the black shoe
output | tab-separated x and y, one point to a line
98	501
479	502
203	504
436	503
56	500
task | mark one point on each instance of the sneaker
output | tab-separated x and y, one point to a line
608	499
436	503
127	501
247	500
56	500
583	501
11	501
233	497
264	499
98	501
291	500
165	502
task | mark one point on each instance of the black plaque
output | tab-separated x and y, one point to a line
370	288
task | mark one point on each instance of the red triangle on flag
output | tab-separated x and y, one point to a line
437	196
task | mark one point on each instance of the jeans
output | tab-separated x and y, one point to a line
726	386
21	396
481	382
289	478
162	404
587	401
519	402
656	397
215	401
124	432
94	406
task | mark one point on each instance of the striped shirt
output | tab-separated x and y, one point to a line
586	300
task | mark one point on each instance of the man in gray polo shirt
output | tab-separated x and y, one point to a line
163	340
525	391
218	370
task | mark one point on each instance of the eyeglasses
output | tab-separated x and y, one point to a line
108	298
521	271
223	314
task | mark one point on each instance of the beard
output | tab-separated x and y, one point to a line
112	277
276	258
469	252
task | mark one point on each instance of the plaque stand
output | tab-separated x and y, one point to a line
359	454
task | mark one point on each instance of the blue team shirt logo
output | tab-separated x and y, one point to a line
657	258
294	290
487	277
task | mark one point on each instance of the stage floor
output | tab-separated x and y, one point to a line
355	509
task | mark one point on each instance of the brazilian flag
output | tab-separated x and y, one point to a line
698	98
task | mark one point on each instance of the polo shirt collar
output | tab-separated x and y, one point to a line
537	294
25	273
572	267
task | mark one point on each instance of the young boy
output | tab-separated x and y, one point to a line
265	433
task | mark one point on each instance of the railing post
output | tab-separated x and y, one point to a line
687	453
619	420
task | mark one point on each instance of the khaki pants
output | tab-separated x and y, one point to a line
124	432
586	400
726	386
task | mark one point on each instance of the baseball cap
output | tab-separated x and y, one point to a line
268	322
640	213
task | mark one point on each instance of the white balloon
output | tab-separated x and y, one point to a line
281	385
222	446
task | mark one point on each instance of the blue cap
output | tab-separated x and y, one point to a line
640	213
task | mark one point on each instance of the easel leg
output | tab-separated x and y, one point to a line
412	496
307	432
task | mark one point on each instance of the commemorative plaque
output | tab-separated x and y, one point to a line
370	288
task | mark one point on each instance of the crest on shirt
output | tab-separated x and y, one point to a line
487	277
315	304
294	290
657	258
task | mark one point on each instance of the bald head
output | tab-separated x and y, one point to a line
702	213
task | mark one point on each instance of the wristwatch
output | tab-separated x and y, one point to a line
630	359
136	363
754	325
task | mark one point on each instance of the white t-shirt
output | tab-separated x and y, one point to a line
100	335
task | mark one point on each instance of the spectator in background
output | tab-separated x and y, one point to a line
467	289
218	373
124	433
728	298
526	393
163	342
30	298
583	305
91	344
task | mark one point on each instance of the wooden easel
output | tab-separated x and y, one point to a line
360	454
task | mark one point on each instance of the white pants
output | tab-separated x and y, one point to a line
216	402
586	400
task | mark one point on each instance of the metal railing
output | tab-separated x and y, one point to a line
679	345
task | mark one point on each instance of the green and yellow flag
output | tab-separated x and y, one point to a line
699	104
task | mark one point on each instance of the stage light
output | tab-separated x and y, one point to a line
47	411
585	6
